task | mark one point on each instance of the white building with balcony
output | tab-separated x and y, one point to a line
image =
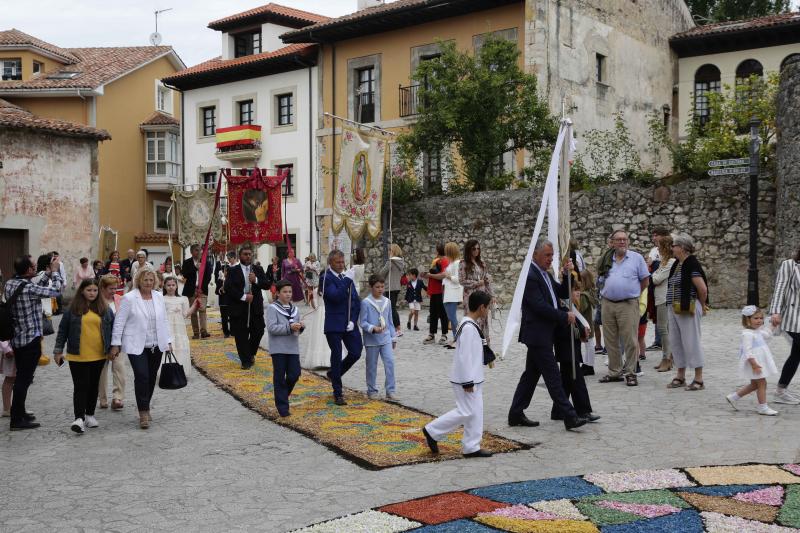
263	95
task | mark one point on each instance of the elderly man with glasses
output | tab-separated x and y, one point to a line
624	283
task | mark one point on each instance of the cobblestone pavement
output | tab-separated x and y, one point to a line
209	464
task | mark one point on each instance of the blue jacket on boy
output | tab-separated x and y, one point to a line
371	312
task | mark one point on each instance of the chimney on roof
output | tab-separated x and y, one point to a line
364	4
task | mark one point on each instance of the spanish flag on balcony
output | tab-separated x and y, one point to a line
238	136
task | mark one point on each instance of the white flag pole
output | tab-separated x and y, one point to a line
549	205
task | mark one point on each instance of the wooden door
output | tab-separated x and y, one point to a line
12	245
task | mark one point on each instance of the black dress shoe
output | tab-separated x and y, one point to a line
24	424
590	417
339	400
554	416
574	422
522	420
432	444
29	417
588	370
479	453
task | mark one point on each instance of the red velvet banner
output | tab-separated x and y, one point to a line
254	206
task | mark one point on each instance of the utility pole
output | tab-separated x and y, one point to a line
752	271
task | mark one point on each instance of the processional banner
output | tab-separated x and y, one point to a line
195	213
254	206
359	190
108	242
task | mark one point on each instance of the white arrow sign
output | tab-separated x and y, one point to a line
728	171
729	162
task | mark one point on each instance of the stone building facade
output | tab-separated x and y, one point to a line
713	211
788	164
599	57
48	188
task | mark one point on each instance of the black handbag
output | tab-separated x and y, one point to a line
488	353
172	374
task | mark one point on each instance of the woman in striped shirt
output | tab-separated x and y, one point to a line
785	311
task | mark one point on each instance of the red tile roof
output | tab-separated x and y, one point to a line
160	119
388	16
15	38
12	116
732	26
94	67
219	64
281	13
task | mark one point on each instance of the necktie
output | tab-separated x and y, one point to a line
341	276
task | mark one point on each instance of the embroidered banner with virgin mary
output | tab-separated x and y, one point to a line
359	190
254	206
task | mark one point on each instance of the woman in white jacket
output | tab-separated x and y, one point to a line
453	291
141	330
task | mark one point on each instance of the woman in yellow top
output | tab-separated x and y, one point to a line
86	330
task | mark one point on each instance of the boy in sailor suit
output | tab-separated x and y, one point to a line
284	328
380	337
466	378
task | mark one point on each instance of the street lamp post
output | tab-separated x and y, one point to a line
752	271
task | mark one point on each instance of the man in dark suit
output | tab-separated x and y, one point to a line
220	274
541	315
342	307
125	266
243	285
574	388
190	269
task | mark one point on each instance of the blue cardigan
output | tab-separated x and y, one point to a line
370	318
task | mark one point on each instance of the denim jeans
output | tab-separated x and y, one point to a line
451	308
387	356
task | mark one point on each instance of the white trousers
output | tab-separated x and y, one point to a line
468	413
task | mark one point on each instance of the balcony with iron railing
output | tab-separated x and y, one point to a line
409	100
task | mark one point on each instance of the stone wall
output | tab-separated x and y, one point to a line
788	161
49	187
713	211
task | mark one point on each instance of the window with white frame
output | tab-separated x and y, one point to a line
163	98
11	68
287	187
285	109
163	154
38	67
208	180
208	115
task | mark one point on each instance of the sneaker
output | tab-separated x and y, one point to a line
372	395
732	401
430	339
653	347
443	340
784	396
764	409
391	396
599	350
91	422
792	394
639	370
78	426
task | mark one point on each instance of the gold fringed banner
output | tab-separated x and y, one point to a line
195	210
359	191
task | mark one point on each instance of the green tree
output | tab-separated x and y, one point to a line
705	11
726	132
482	106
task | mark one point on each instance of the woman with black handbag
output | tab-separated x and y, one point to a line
86	331
141	330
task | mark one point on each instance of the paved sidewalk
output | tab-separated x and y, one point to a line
209	464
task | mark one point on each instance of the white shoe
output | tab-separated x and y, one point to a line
78	426
784	396
732	401
391	396
792	394
91	421
372	395
764	409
